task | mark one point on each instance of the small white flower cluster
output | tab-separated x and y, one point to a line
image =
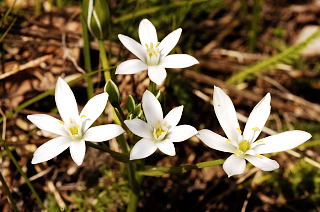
159	132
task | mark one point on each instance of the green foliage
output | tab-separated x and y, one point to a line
287	56
111	194
299	185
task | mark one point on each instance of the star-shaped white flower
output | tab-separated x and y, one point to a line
158	132
74	129
153	56
244	146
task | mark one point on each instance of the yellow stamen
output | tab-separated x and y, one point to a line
83	116
61	122
244	145
147	46
260	141
238	129
255	129
74	130
238	153
228	141
258	155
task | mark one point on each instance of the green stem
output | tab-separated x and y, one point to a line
15	162
86	55
7	190
104	60
122	157
158	171
134	193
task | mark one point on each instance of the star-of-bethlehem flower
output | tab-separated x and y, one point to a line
244	146
74	129
153	55
158	132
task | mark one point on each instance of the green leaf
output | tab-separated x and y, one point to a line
158	171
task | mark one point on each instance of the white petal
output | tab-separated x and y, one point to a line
157	74
282	141
133	46
50	149
178	61
131	67
215	141
103	132
48	123
151	108
182	133
174	116
166	147
93	109
234	165
147	33
169	42
263	163
139	128
65	101
257	119
142	149
226	114
77	151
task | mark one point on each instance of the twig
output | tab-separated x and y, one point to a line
30	64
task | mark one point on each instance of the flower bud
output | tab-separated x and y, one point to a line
131	104
97	16
113	91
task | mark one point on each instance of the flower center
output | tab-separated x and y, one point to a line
74	130
153	54
160	130
244	146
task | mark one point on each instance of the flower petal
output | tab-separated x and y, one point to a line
166	147
226	114
142	149
234	165
174	116
139	128
77	151
182	133
93	109
133	46
282	141
48	123
50	149
215	141
131	67
151	108
103	132
157	74
257	119
169	42
263	163
178	61
147	33
65	101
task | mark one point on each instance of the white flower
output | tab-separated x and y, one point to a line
158	132
153	56
244	146
74	129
